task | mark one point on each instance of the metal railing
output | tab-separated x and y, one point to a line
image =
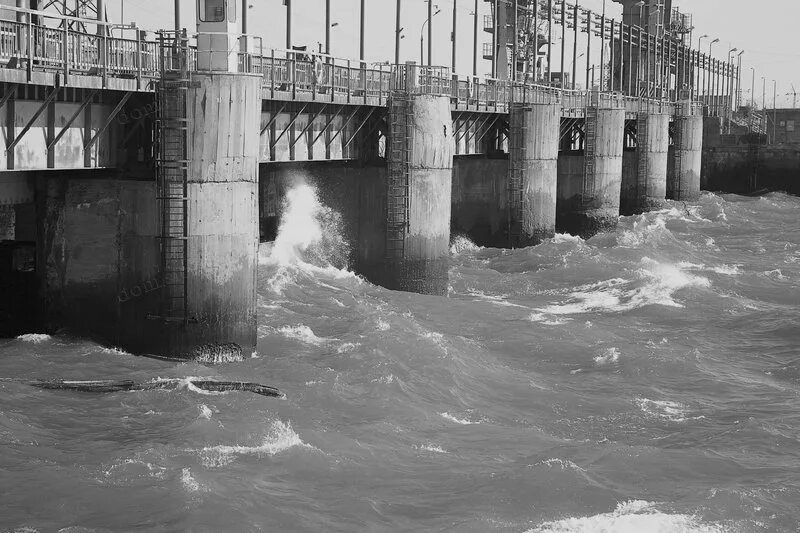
55	44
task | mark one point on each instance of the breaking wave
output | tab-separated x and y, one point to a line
634	516
279	438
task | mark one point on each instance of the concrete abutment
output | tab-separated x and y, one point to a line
644	173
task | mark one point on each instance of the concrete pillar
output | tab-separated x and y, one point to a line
592	205
224	111
644	180
683	179
533	172
412	207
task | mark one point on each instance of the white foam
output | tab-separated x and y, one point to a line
775	274
455	419
607	356
280	437
302	333
309	241
35	338
188	482
348	347
382	325
460	244
727	270
205	412
114	351
656	283
435	448
560	238
630	517
562	464
666	410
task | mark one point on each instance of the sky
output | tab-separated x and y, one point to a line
767	34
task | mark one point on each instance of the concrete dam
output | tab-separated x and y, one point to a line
143	170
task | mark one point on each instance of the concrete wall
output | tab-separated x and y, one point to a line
683	180
742	170
570	187
98	259
480	200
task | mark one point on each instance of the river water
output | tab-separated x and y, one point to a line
644	380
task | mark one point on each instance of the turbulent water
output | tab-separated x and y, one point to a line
644	380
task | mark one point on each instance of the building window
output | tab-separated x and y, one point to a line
790	125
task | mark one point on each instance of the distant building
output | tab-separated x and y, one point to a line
786	125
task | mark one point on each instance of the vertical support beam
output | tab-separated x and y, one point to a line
328	27
549	40
87	134
588	48
430	32
563	39
515	44
495	17
11	130
575	28
51	134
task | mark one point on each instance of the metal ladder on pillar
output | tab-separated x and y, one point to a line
589	142
643	162
398	187
172	170
516	166
678	180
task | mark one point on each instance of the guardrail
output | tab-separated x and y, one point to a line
61	44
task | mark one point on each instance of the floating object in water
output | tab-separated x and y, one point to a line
122	385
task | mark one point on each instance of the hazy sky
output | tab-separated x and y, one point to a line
767	34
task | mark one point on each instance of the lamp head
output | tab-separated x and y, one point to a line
715	41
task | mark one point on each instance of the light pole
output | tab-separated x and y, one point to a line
739	80
728	91
712	83
702	70
422	38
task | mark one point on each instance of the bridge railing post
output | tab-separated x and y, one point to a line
65	52
348	81
29	44
138	59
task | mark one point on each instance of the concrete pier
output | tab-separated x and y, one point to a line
412	252
533	172
589	197
222	260
644	175
686	158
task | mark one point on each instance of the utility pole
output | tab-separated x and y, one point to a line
774	109
475	42
177	17
327	27
288	24
430	30
361	35
397	36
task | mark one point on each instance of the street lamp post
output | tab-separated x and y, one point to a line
712	82
702	82
728	81
422	38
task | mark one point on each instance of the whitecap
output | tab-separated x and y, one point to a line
113	350
607	356
560	238
382	325
460	244
347	347
727	270
435	448
666	410
630	517
35	338
775	274
205	412
302	333
455	419
562	464
188	482
656	284
280	438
